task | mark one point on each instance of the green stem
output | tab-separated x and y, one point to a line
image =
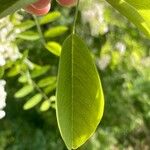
36	86
39	29
75	18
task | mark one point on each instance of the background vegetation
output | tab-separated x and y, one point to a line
29	56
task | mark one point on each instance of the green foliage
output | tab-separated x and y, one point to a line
56	31
33	101
54	48
27	89
80	100
136	11
29	35
50	17
122	57
45	105
46	81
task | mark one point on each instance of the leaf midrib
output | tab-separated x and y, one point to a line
72	88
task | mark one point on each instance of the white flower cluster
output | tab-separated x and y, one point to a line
8	49
2	98
94	15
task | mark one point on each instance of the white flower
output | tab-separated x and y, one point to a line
2	114
121	47
8	48
103	62
94	15
2	60
2	98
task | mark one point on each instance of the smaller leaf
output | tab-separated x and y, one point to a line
55	31
32	102
45	105
53	102
26	25
23	79
50	88
39	71
54	48
29	36
15	70
24	91
50	17
46	81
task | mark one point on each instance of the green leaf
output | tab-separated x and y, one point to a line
54	48
29	36
23	79
45	105
50	17
25	25
55	31
39	71
50	88
24	91
80	101
137	11
46	81
15	70
10	6
32	102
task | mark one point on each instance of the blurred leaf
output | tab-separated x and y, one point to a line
80	101
26	25
45	105
55	31
10	6
29	36
137	11
53	102
23	79
27	89
46	81
39	71
1	72
50	88
15	70
54	48
50	17
32	102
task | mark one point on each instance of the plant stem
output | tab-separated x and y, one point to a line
39	29
36	86
30	81
75	18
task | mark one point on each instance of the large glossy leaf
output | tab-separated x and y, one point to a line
137	11
9	6
80	100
